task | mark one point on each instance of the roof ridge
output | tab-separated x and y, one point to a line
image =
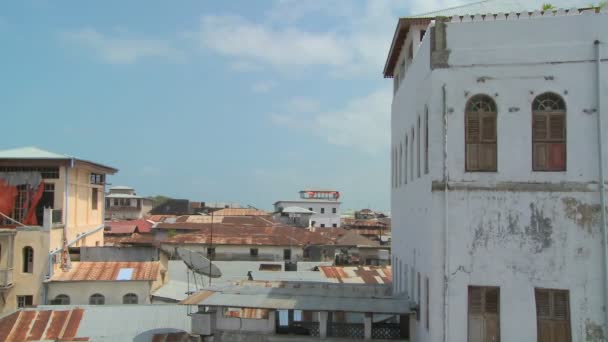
449	8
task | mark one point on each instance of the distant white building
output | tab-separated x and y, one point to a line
122	203
497	226
324	204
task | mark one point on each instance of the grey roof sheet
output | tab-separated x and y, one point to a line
319	297
122	196
501	6
32	152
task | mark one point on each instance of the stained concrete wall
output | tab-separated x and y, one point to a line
514	228
113	291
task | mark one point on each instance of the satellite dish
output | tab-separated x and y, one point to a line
198	263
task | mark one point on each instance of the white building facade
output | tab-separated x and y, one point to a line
122	203
324	204
497	227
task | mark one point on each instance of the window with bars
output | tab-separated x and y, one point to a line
97	178
405	163
548	133
412	155
25	301
426	140
418	148
418	296
61	299
399	172
480	134
94	198
97	299
28	259
484	314
552	315
426	302
130	298
45	172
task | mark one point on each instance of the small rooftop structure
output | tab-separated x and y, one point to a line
315	194
108	271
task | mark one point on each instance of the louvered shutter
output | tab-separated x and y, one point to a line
543	304
488	126
473	128
476	320
539	127
557	127
553	315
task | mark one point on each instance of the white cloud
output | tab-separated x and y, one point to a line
237	37
122	50
363	123
263	86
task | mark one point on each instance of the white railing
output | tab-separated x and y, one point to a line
6	277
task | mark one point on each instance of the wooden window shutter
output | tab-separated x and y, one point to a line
543	304
553	315
473	129
488	128
539	127
560	305
476	306
557	127
491	300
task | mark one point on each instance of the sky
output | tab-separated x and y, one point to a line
237	101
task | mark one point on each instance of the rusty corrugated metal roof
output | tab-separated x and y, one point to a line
278	235
251	313
197	297
108	271
239	212
359	274
39	325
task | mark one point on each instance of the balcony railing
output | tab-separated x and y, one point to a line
6	278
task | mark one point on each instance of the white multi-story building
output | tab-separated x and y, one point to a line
122	203
324	204
496	138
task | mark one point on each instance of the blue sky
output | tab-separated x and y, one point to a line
241	101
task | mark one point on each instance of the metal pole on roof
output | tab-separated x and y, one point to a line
211	246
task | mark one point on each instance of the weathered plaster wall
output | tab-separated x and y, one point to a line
80	291
520	241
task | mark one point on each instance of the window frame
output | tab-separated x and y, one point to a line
95	298
27	254
418	148
426	140
127	299
94	198
254	252
61	299
480	140
549	117
22	301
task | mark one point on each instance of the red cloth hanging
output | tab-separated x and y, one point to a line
8	194
30	218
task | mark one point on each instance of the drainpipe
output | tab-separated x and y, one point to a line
446	265
602	187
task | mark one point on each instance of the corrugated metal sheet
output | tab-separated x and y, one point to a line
107	271
359	274
38	325
251	313
226	234
239	212
128	227
197	297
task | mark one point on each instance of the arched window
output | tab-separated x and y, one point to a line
28	259
418	148
61	299
548	133
405	160
97	299
412	155
480	134
400	162
129	298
